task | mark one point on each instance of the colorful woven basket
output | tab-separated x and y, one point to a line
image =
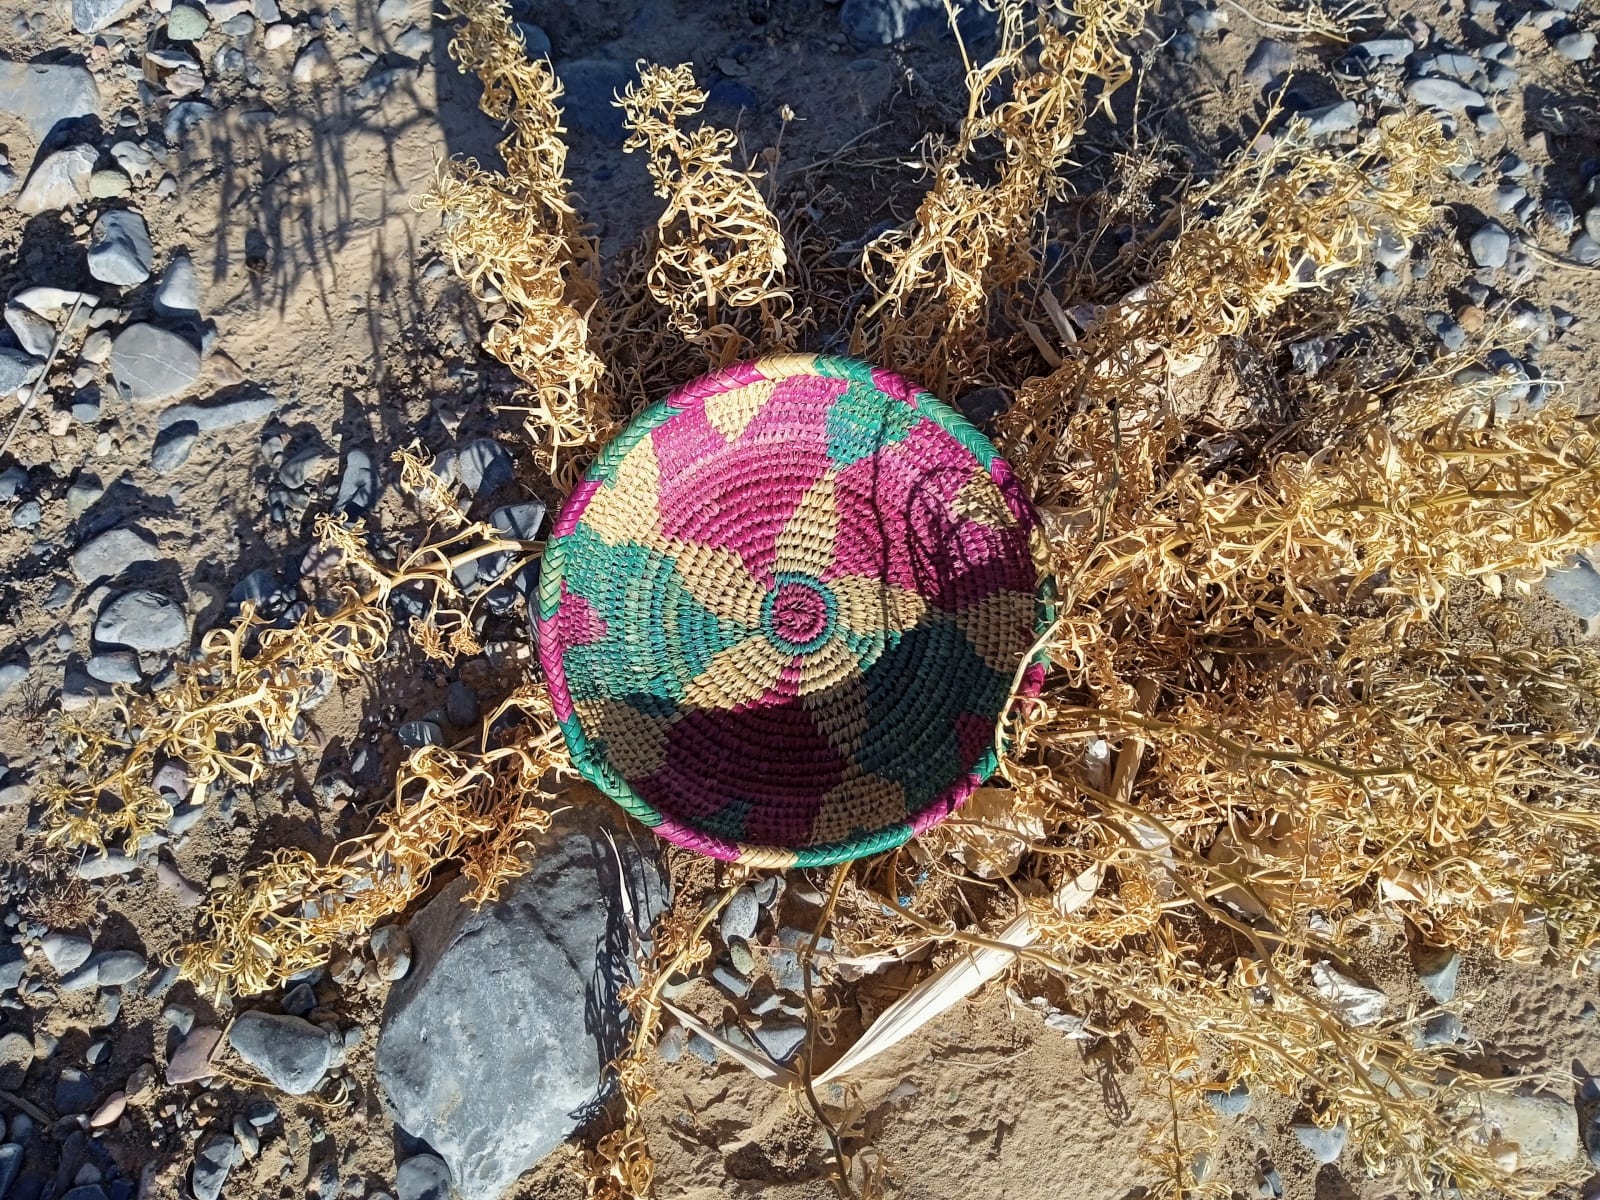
783	612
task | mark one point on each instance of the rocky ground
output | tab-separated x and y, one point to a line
222	317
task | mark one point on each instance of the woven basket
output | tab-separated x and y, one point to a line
783	612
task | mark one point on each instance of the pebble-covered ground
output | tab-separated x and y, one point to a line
223	315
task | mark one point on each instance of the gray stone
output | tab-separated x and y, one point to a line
149	363
358	486
422	1177
120	250
291	1052
133	158
91	16
1230	1103
33	332
1333	118
781	1039
1386	49
883	22
10	1165
117	967
1576	588
142	620
492	1047
1545	1128
391	950
75	1092
114	666
64	951
739	918
12	674
27	515
186	24
313	62
592	85
520	521
305	467
207	418
105	866
212	1164
185	117
173	446
58	181
414	43
179	292
1441	1029
1449	94
483	466
413	734
18	368
535	41
1490	245
1585	249
461	704
299	1000
41	96
1325	1144
1576	47
1270	59
112	553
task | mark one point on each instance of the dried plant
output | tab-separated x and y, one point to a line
237	703
481	808
717	245
518	234
937	278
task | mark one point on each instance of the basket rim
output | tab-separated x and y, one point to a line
595	768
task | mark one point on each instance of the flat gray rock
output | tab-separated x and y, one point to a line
1490	245
358	486
1449	94
18	368
883	22
1577	588
142	620
42	96
492	1049
112	553
58	181
149	363
422	1177
120	250
293	1053
212	1165
91	16
179	293
204	418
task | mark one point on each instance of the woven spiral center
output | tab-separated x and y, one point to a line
799	613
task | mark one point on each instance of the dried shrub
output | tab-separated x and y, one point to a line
717	245
518	234
481	808
969	241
